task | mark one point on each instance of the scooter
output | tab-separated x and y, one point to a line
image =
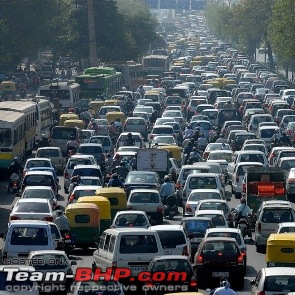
14	183
170	207
69	242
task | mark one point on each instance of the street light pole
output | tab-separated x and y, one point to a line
91	31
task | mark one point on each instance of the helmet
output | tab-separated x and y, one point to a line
72	137
189	126
221	136
43	135
15	160
223	282
243	201
129	135
118	119
55	123
166	178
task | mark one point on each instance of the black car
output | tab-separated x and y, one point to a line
217	258
141	180
180	275
195	229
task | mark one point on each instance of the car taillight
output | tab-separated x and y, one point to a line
48	218
159	209
14	218
261	293
188	208
259	227
71	198
185	251
67	236
199	259
193	282
241	259
178	185
244	187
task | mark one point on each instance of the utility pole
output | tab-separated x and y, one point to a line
92	37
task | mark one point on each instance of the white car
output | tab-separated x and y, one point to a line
163	140
131	219
198	195
82	191
32	209
274	281
37	162
217	217
285	227
177	115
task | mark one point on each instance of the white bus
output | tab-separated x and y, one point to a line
155	64
68	93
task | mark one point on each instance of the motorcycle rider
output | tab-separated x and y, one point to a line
62	222
130	141
115	181
195	156
118	124
129	105
122	170
224	288
284	139
14	168
44	142
141	90
188	132
188	150
167	189
243	211
202	142
72	144
228	105
75	181
276	137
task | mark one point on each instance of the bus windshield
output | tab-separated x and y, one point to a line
5	137
61	94
91	83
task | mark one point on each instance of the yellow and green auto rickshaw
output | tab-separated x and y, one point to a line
65	117
74	123
112	102
280	249
174	152
8	89
104	209
84	224
95	105
112	116
116	196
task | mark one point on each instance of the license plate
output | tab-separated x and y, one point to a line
172	212
196	240
139	268
220	274
167	252
68	241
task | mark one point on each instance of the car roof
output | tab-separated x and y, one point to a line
80	157
81	166
202	175
131	212
171	257
48	148
209	190
144	191
141	172
270	271
86	187
38	159
89	144
30	172
211	212
33	200
287	223
196	218
213	200
249	163
39	252
133	133
224	229
37	188
212	239
164	227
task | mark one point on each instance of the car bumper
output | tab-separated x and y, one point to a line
232	273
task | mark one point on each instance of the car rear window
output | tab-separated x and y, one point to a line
29	236
267	133
162	130
252	158
197	226
133	244
217	220
214	206
135	122
140	178
37	163
143	197
232	235
131	219
75	162
46	180
28	207
220	248
48	153
187	172
279	283
87	172
63	133
173	100
135	136
90	150
170	239
202	182
38	193
258	120
277	215
199	196
84	193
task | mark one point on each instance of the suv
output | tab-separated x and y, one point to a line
219	257
72	162
269	215
149	201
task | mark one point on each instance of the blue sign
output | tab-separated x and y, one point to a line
167	4
197	4
152	4
183	4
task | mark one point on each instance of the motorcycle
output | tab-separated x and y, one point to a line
170	207
69	242
14	183
71	152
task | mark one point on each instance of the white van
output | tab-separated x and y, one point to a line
256	119
127	247
24	236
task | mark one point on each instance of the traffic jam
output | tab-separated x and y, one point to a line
179	186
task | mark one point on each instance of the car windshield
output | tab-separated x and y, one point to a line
131	219
169	265
140	178
38	193
196	226
30	207
280	283
199	196
144	197
267	133
252	158
90	150
49	261
214	206
35	179
170	239
277	216
219	248
202	182
220	156
138	244
225	234
217	220
38	163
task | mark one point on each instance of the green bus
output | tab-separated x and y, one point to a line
99	81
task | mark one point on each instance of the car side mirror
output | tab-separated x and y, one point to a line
2	236
252	282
